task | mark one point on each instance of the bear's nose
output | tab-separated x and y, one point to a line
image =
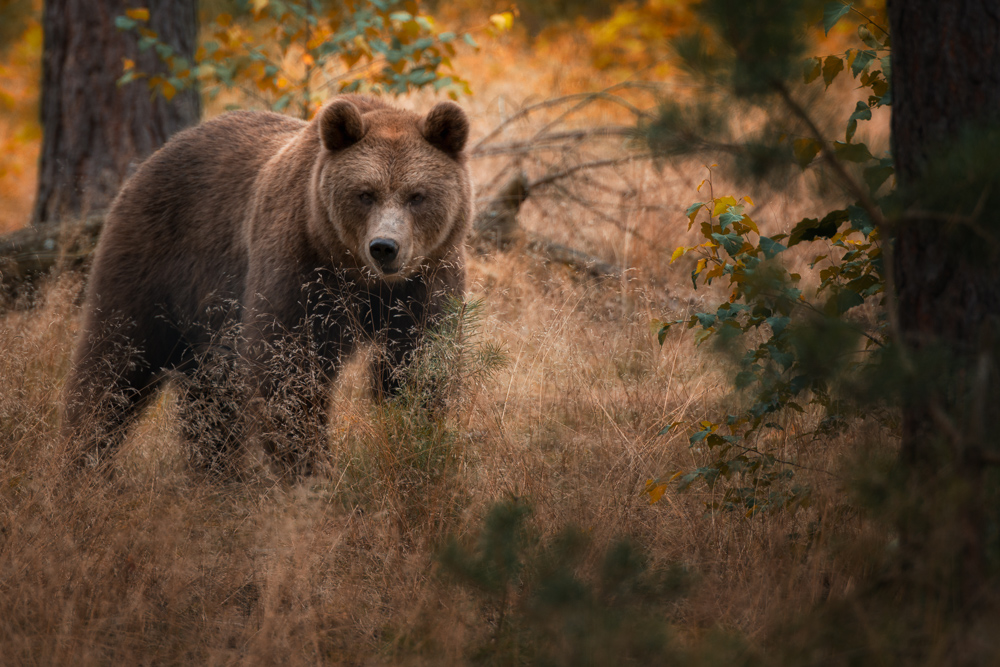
383	251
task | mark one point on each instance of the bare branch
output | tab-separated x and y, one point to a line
595	164
586	98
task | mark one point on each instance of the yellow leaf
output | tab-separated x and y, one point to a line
656	493
701	265
722	204
128	64
502	21
260	5
805	150
138	14
679	252
747	199
698	189
308	60
224	20
168	90
693	215
750	223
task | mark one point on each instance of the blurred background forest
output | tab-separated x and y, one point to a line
727	370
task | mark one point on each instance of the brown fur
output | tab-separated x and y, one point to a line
262	221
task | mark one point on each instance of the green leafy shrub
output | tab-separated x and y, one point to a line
793	347
293	54
565	600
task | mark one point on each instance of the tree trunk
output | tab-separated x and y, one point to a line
946	84
94	132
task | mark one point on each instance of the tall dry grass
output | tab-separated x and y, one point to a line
158	565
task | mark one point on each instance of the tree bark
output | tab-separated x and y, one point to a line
94	132
946	83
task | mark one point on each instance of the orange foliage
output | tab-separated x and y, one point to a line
570	56
20	132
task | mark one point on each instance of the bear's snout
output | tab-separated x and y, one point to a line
384	252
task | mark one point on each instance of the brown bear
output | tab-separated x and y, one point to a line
305	238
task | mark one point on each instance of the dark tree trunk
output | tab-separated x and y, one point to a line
946	85
93	131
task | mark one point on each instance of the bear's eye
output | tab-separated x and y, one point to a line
366	198
416	199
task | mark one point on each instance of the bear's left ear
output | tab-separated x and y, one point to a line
341	125
446	127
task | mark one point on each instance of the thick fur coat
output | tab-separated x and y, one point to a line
270	247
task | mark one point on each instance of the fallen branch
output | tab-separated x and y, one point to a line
579	261
33	251
496	228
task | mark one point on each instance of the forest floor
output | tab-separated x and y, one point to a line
160	565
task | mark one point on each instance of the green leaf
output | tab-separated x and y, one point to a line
666	429
729	217
446	37
810	229
861	61
843	301
860	220
402	17
705	319
863	285
468	40
127	77
770	247
731	242
852	152
661	335
783	359
866	36
833	12
692	210
811	69
777	324
876	175
281	103
861	112
124	23
832	66
805	150
886	62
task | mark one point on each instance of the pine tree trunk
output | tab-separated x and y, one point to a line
94	132
946	83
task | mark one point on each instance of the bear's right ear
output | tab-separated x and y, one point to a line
341	125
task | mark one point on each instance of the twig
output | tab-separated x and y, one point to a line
862	15
537	143
556	101
596	164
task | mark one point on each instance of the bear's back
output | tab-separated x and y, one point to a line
179	218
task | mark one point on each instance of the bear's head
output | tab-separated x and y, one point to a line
390	187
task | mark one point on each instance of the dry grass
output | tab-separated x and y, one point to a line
159	565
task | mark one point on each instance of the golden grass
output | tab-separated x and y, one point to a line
158	565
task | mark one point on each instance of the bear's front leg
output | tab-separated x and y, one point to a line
412	311
289	376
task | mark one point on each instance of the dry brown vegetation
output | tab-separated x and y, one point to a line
158	565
